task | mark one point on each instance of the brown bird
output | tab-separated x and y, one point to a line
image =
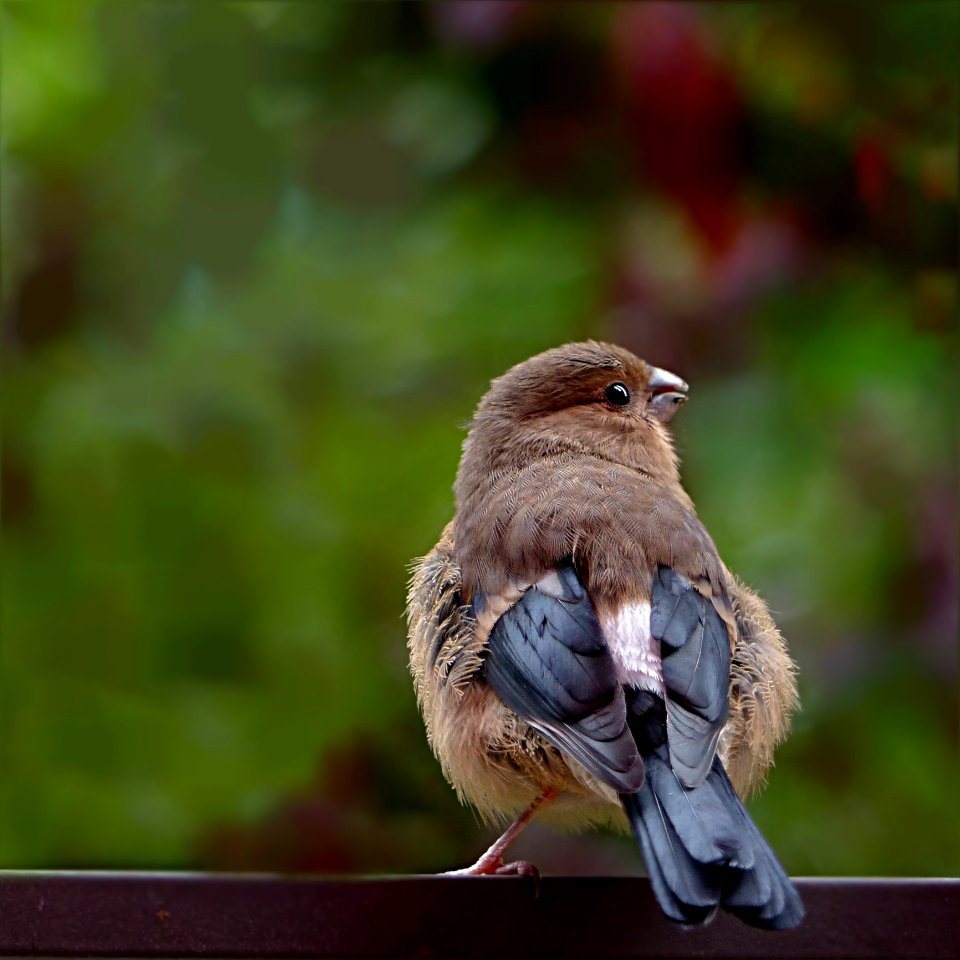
579	648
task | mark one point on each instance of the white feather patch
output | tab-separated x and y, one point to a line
635	653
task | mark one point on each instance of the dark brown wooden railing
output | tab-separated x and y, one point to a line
208	915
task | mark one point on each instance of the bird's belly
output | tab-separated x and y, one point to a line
635	652
499	765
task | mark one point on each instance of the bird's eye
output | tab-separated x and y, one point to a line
617	394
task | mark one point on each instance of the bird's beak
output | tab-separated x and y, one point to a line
667	393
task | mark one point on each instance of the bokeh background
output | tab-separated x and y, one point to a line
260	261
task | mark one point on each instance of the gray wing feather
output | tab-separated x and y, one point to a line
695	652
547	660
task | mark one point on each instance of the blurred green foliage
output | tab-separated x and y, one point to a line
260	261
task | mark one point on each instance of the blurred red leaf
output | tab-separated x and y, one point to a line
684	112
871	159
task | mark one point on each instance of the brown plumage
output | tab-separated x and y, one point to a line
568	500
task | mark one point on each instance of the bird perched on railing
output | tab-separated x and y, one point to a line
578	647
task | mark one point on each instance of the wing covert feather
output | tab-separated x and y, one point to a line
695	653
547	660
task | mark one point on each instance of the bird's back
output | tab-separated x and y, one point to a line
478	740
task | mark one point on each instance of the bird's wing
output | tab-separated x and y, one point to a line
548	661
695	653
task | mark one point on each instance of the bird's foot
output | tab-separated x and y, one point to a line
493	866
491	863
518	868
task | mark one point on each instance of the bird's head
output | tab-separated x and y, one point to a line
591	381
594	397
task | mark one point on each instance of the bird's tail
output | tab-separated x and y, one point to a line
703	851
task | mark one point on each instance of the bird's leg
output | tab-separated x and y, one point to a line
491	863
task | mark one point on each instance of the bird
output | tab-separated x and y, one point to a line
580	652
